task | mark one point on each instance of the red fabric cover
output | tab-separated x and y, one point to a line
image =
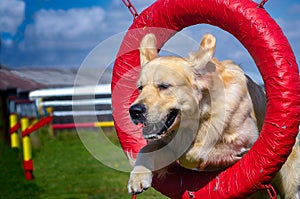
271	51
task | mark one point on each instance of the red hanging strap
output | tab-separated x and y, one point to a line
262	3
131	8
271	191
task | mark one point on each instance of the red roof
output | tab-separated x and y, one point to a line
8	80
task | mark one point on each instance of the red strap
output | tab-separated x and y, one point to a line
131	8
14	128
262	3
271	191
36	126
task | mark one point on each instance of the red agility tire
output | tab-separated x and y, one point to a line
271	51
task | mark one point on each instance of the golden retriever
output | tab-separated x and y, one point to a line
202	113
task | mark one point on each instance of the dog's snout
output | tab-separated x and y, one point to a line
137	113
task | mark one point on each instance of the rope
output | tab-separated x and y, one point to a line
131	8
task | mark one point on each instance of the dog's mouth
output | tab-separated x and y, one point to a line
160	129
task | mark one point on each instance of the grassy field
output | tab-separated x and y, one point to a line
63	169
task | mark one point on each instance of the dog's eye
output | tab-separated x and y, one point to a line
163	86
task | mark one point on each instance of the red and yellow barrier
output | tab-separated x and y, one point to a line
28	128
83	125
27	151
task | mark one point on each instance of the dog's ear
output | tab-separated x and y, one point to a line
205	53
148	49
202	63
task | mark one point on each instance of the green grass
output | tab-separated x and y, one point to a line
63	169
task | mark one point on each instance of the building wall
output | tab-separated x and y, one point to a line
4	120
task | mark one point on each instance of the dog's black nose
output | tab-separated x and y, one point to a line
137	113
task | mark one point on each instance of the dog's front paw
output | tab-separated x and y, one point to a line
140	180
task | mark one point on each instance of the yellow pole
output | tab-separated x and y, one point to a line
27	154
15	142
26	140
49	111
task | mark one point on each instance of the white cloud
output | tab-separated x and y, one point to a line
61	37
65	37
65	29
11	15
7	42
72	23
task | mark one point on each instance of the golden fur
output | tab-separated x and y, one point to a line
219	113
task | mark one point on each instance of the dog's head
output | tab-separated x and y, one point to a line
170	89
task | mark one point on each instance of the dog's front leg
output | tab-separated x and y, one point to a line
152	157
141	175
140	179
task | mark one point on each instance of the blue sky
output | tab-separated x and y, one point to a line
56	33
